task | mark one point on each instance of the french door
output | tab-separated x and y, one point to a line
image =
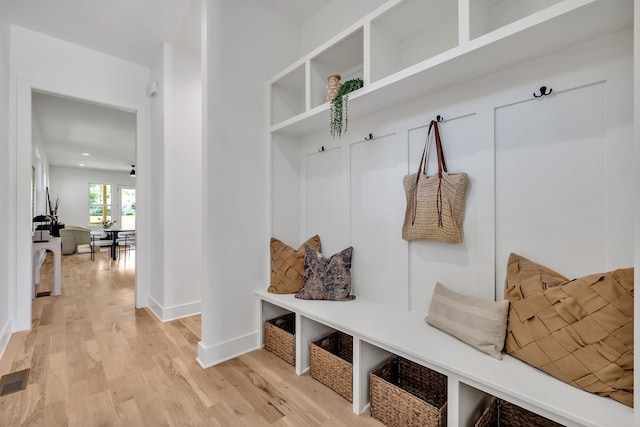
127	201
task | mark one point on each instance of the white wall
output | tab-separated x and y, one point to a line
40	162
71	185
236	191
176	132
5	327
51	65
156	188
182	203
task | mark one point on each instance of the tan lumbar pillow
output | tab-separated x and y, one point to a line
478	322
287	265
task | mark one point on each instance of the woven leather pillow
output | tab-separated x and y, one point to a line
580	331
287	266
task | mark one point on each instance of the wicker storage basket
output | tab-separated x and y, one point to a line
405	394
331	363
506	414
280	338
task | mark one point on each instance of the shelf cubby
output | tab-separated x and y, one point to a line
412	48
346	58
411	32
288	95
489	15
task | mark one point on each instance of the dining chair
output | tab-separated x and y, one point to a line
97	241
126	241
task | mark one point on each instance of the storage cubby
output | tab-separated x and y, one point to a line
346	58
280	337
269	330
472	402
332	363
271	311
308	332
411	32
504	413
489	15
405	393
288	95
369	358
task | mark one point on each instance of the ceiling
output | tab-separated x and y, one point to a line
297	11
129	29
133	30
82	134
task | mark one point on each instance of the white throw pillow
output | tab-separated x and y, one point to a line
478	322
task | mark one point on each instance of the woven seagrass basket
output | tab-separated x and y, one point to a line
405	394
331	363
280	338
506	414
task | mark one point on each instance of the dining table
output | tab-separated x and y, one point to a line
113	233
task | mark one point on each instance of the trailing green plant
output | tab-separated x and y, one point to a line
339	114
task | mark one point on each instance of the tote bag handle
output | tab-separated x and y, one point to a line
422	169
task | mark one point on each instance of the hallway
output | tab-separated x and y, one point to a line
95	360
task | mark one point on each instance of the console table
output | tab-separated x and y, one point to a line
54	245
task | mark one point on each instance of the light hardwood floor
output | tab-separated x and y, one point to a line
95	360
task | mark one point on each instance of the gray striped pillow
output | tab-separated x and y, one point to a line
480	323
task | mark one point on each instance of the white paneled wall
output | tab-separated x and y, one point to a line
285	190
570	214
547	179
380	260
452	265
325	199
552	181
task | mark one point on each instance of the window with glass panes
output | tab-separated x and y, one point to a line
99	203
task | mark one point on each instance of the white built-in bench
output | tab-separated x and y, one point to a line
380	330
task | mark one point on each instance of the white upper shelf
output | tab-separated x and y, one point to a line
485	44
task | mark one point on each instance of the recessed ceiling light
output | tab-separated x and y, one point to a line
81	164
86	154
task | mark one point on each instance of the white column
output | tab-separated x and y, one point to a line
212	52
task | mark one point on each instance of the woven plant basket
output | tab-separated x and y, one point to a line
405	394
331	363
280	338
506	414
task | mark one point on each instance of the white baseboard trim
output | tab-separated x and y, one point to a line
5	336
182	310
155	308
210	355
166	314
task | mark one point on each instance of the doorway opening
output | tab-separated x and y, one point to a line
29	135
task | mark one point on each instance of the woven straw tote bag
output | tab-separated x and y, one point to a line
435	204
